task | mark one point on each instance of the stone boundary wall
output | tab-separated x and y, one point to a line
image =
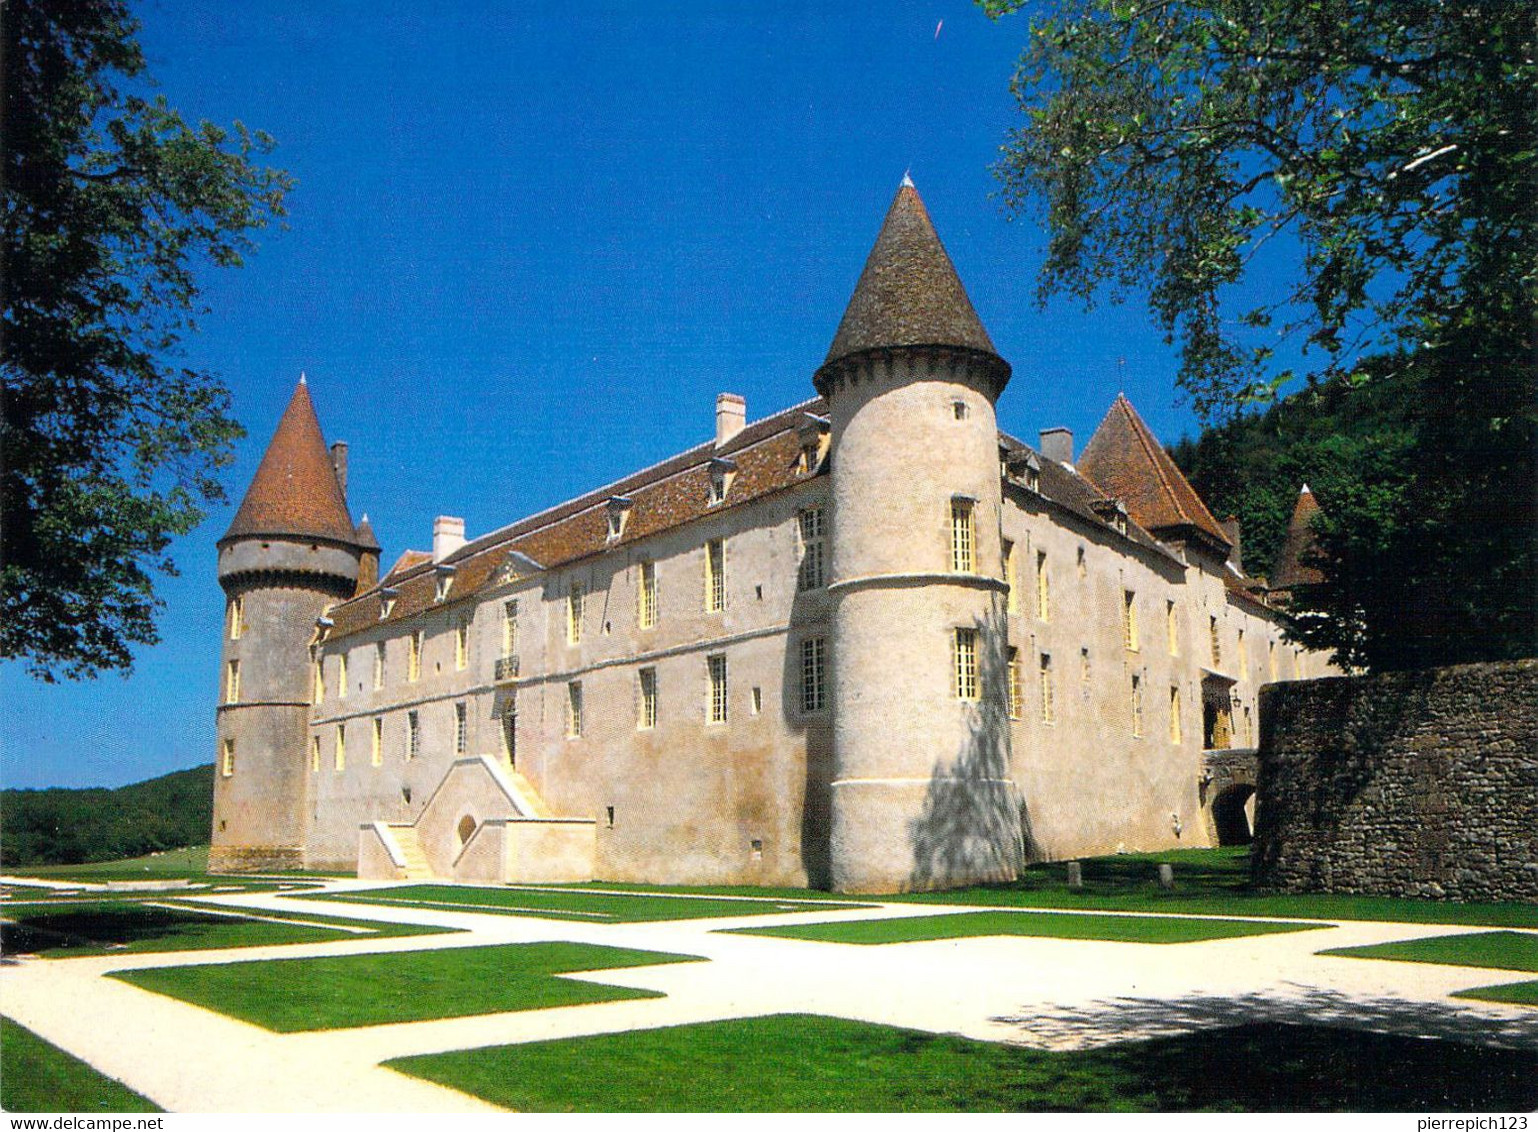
1402	784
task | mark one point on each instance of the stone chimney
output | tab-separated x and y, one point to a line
1230	527
339	464
731	415
448	536
1057	444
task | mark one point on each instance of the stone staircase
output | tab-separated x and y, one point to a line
410	845
528	798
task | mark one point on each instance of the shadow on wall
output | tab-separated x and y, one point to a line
970	828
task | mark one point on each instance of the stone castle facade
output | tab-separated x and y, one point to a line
868	643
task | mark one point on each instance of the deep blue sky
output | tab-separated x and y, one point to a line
531	242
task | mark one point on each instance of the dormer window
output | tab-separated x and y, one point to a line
813	435
387	596
445	580
618	513
1024	466
722	472
1114	512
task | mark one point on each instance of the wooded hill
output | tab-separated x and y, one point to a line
65	827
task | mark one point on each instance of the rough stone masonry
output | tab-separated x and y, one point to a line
1402	784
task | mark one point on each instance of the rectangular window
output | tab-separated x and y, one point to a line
1048	692
646	718
1012	600
510	734
1137	706
966	664
576	598
715	575
1271	660
232	683
227	764
646	615
1174	713
315	753
379	665
376	744
413	735
414	658
319	680
814	654
574	709
717	666
1240	655
510	627
963	536
1170	628
1016	692
757	700
341	746
341	676
811	576
462	644
1129	619
237	614
1043	588
1294	664
1216	641
461	728
1084	670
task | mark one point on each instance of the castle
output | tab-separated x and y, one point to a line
868	643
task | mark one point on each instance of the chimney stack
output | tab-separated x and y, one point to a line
1230	527
731	415
339	464
1057	444
448	536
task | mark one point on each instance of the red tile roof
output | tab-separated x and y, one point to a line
295	490
1125	461
1290	570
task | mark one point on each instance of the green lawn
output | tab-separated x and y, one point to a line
789	1063
1520	994
1512	951
36	1076
61	930
189	862
365	990
1060	925
583	906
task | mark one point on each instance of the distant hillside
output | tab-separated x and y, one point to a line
67	827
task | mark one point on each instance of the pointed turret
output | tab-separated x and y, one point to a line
909	295
1290	570
295	492
1125	461
368	562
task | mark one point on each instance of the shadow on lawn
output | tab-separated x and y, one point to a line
110	927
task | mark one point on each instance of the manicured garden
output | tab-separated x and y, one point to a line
37	1076
791	1063
1510	951
335	992
1061	925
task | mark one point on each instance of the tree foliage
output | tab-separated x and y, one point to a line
67	827
1379	159
112	205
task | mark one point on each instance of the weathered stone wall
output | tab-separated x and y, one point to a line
1404	784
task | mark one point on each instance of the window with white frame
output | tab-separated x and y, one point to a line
227	763
1129	619
237	617
414	656
963	536
965	663
1016	692
413	735
646	717
379	665
814	659
576	598
1043	588
811	575
1137	706
232	682
510	627
461	728
1048	690
715	575
462	643
717	667
647	614
574	709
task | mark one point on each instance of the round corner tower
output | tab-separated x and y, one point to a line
291	551
921	795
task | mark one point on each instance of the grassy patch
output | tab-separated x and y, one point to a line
1210	882
791	1063
586	907
1060	925
1520	994
37	1076
1512	951
189	862
95	928
410	986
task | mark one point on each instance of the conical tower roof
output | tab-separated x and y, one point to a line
295	491
909	293
1124	460
1290	570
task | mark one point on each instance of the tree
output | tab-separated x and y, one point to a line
1388	150
112	205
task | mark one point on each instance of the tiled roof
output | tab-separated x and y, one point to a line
1127	463
364	535
1290	570
909	293
295	490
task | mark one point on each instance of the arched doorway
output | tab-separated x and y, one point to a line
1231	813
